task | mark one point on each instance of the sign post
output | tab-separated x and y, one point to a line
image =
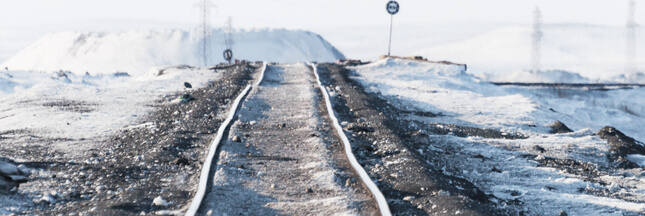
228	55
392	8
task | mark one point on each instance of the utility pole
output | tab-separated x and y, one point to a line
630	57
537	40
204	45
392	8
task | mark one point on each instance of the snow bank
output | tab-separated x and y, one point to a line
551	76
465	100
135	52
595	52
81	107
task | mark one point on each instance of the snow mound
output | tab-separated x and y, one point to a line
135	52
550	76
596	52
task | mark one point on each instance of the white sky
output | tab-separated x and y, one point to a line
23	21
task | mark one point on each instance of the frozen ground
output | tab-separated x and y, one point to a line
62	126
515	170
57	105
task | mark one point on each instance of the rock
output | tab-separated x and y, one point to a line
408	198
309	190
420	136
181	161
100	188
539	148
620	145
236	138
47	198
160	201
559	128
11	176
188	85
563	213
359	127
496	170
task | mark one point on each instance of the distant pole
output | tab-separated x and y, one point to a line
537	41
204	47
392	8
389	46
630	57
228	40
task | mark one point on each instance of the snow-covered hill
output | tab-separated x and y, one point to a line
595	52
135	52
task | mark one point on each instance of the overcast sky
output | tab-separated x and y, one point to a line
76	14
23	21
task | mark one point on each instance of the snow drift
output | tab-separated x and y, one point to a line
135	52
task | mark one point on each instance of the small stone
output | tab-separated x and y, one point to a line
444	193
539	148
309	190
348	183
236	139
563	213
240	166
100	188
273	186
408	198
159	201
496	170
181	161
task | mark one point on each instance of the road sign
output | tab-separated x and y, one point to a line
228	54
392	7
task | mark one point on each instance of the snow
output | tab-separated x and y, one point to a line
135	52
80	107
160	201
464	99
594	52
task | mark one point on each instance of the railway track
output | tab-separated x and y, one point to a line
281	150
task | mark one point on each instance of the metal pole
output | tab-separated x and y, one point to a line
390	43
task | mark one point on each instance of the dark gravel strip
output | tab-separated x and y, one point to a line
381	143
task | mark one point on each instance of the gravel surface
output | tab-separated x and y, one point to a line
386	146
151	167
281	156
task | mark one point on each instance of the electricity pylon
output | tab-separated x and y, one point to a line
204	30
537	40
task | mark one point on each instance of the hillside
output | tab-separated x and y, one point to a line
135	52
594	52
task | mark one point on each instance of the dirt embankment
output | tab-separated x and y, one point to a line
412	185
160	157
